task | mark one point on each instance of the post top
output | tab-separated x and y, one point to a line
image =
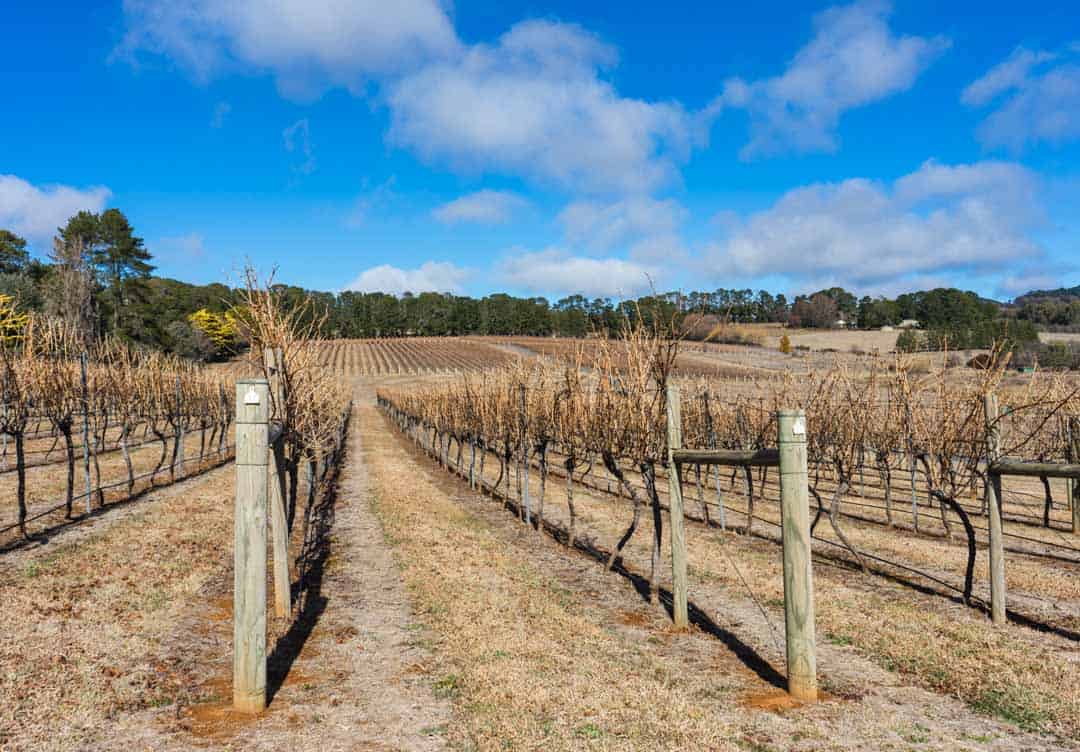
256	382
791	413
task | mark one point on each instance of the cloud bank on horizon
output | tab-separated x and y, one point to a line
537	142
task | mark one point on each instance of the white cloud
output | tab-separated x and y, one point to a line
534	104
431	276
556	272
297	138
1041	101
655	249
854	59
602	226
36	212
1028	279
483	207
1008	74
308	46
867	234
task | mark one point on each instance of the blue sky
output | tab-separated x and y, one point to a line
556	147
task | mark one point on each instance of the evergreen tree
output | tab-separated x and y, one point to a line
13	253
123	264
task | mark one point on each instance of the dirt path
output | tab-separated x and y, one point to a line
120	636
342	675
727	670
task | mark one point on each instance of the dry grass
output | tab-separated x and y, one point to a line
85	626
46	484
1012	674
535	656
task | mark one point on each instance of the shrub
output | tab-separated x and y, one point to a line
908	341
785	345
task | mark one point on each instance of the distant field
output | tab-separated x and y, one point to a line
1059	336
844	340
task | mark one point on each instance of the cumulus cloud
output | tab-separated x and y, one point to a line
483	207
853	60
557	272
1031	278
938	219
35	212
431	276
308	46
1039	95
601	226
534	104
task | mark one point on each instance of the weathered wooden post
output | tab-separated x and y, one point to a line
993	511
249	582
279	532
798	575
179	428
911	473
86	436
679	606
1074	484
527	505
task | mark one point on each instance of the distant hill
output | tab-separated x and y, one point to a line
1061	293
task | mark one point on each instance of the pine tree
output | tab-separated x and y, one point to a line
117	257
13	253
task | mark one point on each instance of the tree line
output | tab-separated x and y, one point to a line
99	274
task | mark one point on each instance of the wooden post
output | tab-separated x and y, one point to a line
993	499
911	473
86	436
1074	484
798	574
249	583
279	532
680	610
525	462
179	428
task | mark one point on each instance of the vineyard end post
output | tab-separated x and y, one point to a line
798	574
680	611
993	498
249	584
279	532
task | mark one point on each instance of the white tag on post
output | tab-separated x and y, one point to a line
798	427
251	398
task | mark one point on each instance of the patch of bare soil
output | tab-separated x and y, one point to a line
545	649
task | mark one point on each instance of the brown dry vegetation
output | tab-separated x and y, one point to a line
612	418
116	632
541	648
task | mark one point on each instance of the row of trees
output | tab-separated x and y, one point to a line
96	278
99	274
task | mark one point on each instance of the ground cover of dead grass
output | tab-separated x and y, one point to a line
84	626
525	661
528	657
1013	674
46	485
